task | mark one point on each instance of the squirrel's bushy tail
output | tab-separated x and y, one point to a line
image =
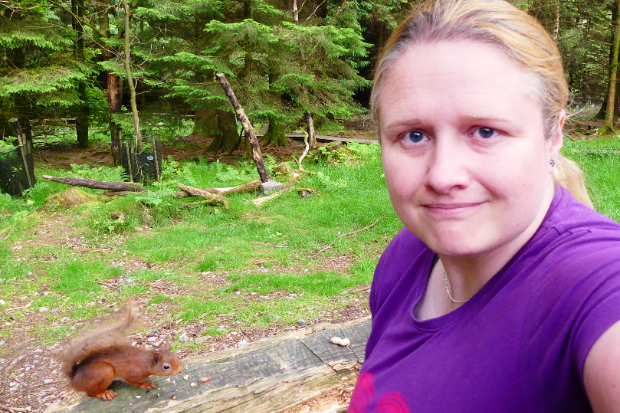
106	334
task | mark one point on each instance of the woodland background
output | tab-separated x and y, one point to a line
285	59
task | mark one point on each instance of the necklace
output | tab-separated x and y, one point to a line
445	281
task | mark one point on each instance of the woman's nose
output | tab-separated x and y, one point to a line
447	167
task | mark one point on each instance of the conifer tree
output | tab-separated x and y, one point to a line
40	74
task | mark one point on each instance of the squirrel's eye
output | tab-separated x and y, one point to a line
166	366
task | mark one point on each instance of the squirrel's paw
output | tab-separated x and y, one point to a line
148	385
107	395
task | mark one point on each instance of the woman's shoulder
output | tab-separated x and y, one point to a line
406	255
568	216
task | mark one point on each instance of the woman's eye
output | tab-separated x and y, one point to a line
485	133
414	136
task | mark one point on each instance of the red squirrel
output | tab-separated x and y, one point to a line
97	357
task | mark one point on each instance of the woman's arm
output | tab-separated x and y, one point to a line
601	372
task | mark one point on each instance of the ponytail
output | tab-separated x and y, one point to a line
568	174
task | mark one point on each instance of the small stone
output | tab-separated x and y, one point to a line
2	302
200	340
186	377
184	338
264	297
192	384
264	270
306	270
13	389
237	292
2	342
151	339
242	344
270	186
224	346
301	322
221	329
43	309
47	381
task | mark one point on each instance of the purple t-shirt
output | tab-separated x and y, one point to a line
518	345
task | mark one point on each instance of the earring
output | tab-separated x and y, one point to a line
552	163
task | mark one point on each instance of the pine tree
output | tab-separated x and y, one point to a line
40	75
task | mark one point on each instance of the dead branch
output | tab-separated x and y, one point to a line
252	186
93	183
247	126
348	234
303	155
286	188
261	201
214	198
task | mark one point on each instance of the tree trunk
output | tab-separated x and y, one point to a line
130	81
275	133
608	126
249	130
81	118
114	91
311	131
295	12
556	27
602	114
219	125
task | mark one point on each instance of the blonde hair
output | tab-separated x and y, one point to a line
498	23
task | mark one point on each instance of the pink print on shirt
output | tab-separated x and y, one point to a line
363	399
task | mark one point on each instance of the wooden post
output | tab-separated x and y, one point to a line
249	130
21	140
311	132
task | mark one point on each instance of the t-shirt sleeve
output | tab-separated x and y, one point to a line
598	313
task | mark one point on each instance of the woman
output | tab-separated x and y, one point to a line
502	293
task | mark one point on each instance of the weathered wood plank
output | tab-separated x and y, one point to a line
268	376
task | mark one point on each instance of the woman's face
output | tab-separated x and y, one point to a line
466	161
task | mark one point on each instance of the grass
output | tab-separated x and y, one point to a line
599	159
182	248
245	267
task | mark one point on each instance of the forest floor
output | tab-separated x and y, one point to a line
39	382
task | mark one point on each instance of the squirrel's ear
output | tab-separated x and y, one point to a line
168	344
156	358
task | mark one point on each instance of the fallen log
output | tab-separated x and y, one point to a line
94	184
276	375
204	194
252	186
116	193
